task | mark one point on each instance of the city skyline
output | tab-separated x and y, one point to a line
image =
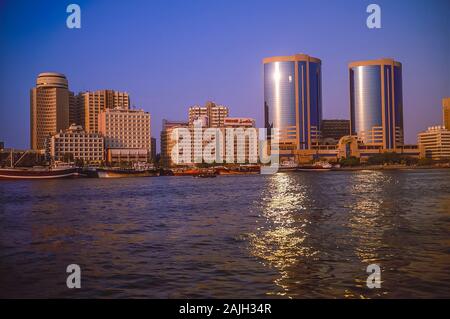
165	86
257	152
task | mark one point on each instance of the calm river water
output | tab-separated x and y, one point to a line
289	235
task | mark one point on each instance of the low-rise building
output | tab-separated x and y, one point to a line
347	147
333	130
434	143
74	143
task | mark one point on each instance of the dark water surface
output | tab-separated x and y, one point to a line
299	235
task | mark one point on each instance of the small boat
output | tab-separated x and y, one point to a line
288	166
121	172
240	170
38	173
316	167
186	172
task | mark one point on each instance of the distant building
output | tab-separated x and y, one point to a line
128	129
245	144
293	101
446	112
237	122
212	114
2	146
167	143
77	144
153	149
435	143
49	108
237	146
91	104
376	102
334	130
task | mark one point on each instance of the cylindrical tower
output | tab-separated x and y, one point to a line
49	108
376	102
293	99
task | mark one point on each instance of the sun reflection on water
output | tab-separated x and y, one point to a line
280	241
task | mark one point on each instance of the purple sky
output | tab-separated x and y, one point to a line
171	54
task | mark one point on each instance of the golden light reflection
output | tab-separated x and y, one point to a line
367	214
280	241
368	218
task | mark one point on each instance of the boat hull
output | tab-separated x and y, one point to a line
190	172
123	174
239	171
37	174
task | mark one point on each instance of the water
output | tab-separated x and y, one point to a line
290	235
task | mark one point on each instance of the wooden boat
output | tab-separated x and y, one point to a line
240	170
318	167
120	173
38	173
187	172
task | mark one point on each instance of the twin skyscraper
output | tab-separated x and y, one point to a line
293	102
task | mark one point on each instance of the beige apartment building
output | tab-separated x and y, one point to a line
90	104
49	108
237	146
125	129
434	143
211	114
77	144
446	112
167	143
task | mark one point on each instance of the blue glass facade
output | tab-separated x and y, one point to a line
279	93
315	103
376	103
293	98
398	103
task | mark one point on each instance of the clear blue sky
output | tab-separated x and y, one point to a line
171	54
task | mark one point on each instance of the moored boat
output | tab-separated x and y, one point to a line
186	172
288	166
120	173
317	167
240	170
38	173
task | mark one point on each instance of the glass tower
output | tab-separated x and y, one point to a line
376	102
293	100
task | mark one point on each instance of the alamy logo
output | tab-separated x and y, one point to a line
374	19
74	279
73	21
374	279
215	146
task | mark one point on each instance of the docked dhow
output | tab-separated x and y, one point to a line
36	172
